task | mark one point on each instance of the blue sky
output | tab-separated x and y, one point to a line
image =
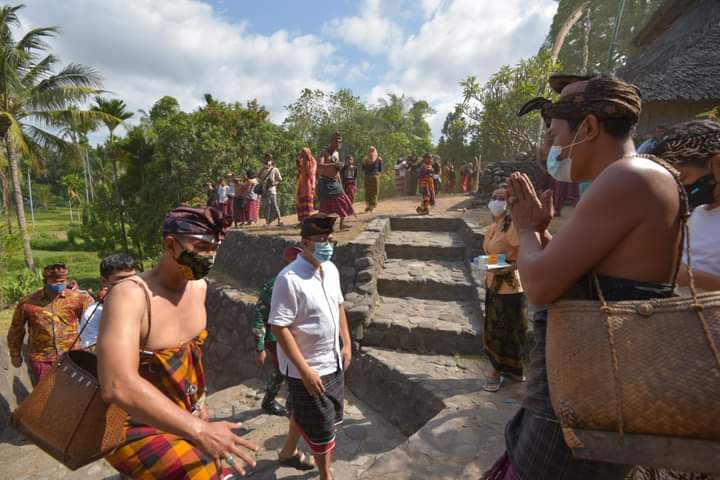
271	50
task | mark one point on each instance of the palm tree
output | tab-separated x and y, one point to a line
116	113
33	98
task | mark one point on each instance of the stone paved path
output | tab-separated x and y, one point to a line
364	436
464	437
424	245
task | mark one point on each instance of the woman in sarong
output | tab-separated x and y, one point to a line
305	192
349	178
505	303
252	200
372	166
427	185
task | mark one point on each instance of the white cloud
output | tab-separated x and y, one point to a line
372	32
148	49
462	38
429	7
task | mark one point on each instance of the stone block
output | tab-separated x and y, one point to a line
365	276
364	262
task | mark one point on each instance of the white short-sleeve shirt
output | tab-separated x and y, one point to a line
309	305
704	240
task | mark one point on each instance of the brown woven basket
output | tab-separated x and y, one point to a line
650	368
667	380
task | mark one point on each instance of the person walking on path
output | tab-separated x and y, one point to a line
372	167
427	185
113	269
50	317
624	232
349	178
270	178
238	202
506	319
168	433
266	342
332	197
306	182
222	191
251	201
308	319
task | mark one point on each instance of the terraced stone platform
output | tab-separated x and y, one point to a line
424	245
427	298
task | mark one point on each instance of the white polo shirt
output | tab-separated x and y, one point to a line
310	306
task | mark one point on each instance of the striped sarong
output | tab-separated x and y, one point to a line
149	453
318	416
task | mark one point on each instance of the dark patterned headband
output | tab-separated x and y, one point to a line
605	97
694	141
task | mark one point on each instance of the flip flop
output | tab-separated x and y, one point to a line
517	378
493	386
299	461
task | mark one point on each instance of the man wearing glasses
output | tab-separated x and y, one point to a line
51	317
150	360
308	320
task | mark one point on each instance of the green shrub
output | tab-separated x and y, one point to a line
10	246
13	289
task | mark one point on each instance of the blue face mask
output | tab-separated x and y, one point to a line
55	287
323	251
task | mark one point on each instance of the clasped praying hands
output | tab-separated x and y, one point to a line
529	211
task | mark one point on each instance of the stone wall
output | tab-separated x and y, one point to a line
496	173
364	257
251	259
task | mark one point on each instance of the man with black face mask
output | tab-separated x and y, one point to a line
693	148
150	360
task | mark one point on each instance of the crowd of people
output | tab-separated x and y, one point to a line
329	184
621	241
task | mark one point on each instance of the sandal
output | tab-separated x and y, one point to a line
299	461
493	386
517	378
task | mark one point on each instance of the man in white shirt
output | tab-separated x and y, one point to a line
113	268
308	318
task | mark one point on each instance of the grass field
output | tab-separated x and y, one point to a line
50	245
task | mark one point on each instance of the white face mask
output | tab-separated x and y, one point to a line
497	207
561	170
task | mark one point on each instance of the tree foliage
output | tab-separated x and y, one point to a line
492	109
596	29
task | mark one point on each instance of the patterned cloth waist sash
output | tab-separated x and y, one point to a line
329	187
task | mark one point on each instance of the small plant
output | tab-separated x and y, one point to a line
13	289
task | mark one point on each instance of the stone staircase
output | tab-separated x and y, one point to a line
427	300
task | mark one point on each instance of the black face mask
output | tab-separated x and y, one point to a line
700	192
194	266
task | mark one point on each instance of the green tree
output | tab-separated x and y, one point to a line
492	109
116	113
455	133
587	45
33	96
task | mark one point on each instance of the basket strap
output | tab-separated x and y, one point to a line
615	367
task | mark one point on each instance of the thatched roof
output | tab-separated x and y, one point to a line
677	53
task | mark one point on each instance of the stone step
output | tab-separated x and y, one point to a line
415	223
456	430
424	325
431	279
424	245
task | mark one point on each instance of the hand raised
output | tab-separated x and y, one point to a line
527	211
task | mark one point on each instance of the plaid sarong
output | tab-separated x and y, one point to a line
149	453
318	416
